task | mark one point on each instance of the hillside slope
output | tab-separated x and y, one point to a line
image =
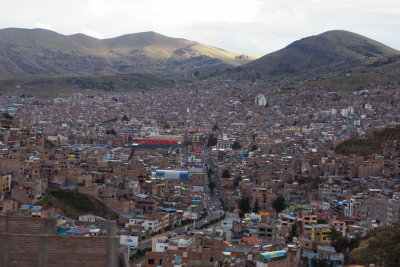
43	52
325	54
55	86
381	246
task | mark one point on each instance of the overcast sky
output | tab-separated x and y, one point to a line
248	26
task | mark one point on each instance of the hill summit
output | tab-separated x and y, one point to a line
327	53
43	52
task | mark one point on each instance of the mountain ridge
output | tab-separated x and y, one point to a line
44	52
326	53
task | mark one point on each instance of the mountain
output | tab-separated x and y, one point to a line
43	52
325	54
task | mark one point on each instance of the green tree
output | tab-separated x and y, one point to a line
256	206
236	145
279	204
236	181
209	172
212	141
293	232
322	261
244	205
125	118
7	116
211	185
111	132
49	144
338	241
226	174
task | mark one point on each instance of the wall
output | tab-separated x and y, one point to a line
27	225
52	250
32	242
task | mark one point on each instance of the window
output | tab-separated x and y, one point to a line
150	261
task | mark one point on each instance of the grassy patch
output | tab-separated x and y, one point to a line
74	204
370	145
380	246
362	147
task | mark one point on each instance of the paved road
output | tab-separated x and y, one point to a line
212	202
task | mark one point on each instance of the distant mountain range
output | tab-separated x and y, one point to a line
325	54
33	59
43	52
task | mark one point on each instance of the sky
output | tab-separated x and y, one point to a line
245	26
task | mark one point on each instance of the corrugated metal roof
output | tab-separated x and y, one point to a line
274	254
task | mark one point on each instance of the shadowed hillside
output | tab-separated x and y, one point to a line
43	52
53	86
370	145
325	54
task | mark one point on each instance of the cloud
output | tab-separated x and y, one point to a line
43	26
92	33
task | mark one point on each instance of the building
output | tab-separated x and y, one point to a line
321	233
260	100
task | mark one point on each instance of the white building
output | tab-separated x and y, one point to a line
260	100
146	223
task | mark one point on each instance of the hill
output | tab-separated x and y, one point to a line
369	145
74	204
54	86
43	52
379	73
380	246
323	55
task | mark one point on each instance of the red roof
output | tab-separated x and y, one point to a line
252	240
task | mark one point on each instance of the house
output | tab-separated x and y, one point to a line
87	218
272	258
321	233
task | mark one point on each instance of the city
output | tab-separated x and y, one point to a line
243	133
194	178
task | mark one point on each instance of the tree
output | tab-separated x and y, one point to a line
125	118
236	181
279	204
212	141
7	116
211	185
244	205
49	144
236	145
209	172
226	174
321	262
111	132
339	242
256	206
293	232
